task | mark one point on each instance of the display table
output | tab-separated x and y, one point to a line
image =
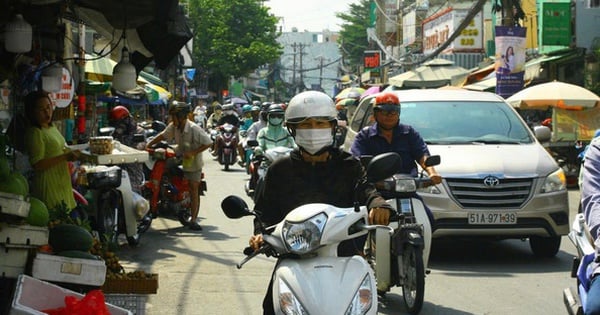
121	154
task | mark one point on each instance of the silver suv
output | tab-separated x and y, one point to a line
498	180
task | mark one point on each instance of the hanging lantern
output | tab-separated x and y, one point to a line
52	78
18	35
124	73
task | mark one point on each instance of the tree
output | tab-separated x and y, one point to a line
232	38
353	38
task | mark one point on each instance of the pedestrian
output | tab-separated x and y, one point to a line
316	171
191	141
48	153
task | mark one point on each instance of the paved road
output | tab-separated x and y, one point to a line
197	273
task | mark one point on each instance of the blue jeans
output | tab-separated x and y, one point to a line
592	305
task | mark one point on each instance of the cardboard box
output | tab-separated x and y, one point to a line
131	286
14	204
13	261
23	235
70	270
33	295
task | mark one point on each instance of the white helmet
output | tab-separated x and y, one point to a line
310	104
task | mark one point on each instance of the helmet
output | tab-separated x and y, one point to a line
255	108
256	103
246	108
118	112
179	109
310	104
228	106
275	108
386	101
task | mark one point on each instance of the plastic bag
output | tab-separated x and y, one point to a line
91	304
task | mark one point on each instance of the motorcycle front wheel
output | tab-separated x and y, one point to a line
106	222
413	288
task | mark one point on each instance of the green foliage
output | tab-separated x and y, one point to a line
353	34
232	38
61	214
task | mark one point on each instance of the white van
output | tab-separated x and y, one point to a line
498	180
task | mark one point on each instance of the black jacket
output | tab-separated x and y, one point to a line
290	182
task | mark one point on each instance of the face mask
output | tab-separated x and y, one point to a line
275	121
313	140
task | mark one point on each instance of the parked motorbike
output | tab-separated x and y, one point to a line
310	278
260	162
575	298
166	188
227	141
401	259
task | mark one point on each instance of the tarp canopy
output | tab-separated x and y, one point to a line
432	74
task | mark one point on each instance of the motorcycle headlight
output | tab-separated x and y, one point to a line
405	185
304	237
362	300
288	303
555	182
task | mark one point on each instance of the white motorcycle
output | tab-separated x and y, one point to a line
575	298
259	163
401	259
310	278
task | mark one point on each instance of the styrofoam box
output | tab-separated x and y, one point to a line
14	204
121	154
70	270
33	295
12	261
23	235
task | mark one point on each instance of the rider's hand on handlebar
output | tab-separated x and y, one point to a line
435	177
256	241
379	216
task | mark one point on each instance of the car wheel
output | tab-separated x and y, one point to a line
544	246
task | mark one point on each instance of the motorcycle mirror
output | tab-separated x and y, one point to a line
235	207
433	160
383	166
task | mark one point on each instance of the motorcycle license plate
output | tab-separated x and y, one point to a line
483	217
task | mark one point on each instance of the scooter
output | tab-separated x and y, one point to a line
227	141
166	188
402	258
575	298
310	278
260	162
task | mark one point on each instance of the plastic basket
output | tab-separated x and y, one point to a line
135	303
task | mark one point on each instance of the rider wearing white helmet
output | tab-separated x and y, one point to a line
316	172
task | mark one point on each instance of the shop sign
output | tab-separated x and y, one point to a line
437	29
372	61
409	24
556	27
64	97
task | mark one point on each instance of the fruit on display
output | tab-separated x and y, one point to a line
69	237
110	258
38	213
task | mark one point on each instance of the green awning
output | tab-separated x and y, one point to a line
153	79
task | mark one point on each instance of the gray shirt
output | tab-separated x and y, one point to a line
590	193
192	137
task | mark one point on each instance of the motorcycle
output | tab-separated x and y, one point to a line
260	162
310	278
401	259
166	188
227	141
575	298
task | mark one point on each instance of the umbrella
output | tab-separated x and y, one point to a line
432	74
237	100
554	94
157	94
370	91
100	69
350	92
155	29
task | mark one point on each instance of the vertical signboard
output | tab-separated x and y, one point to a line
372	62
510	59
556	29
409	23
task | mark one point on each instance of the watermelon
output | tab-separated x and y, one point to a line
38	213
14	185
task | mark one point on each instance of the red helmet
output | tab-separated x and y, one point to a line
386	98
119	112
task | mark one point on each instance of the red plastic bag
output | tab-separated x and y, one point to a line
91	304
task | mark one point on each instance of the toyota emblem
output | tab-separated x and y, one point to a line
491	181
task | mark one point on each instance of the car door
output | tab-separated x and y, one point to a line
362	116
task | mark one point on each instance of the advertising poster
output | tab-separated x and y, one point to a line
510	59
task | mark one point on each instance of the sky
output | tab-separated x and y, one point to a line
310	15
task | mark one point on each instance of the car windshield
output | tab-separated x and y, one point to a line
465	122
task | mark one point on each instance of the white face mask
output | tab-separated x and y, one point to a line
313	140
275	121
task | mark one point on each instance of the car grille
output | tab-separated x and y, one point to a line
472	193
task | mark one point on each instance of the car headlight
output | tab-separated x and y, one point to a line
362	300
304	237
555	182
288	303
